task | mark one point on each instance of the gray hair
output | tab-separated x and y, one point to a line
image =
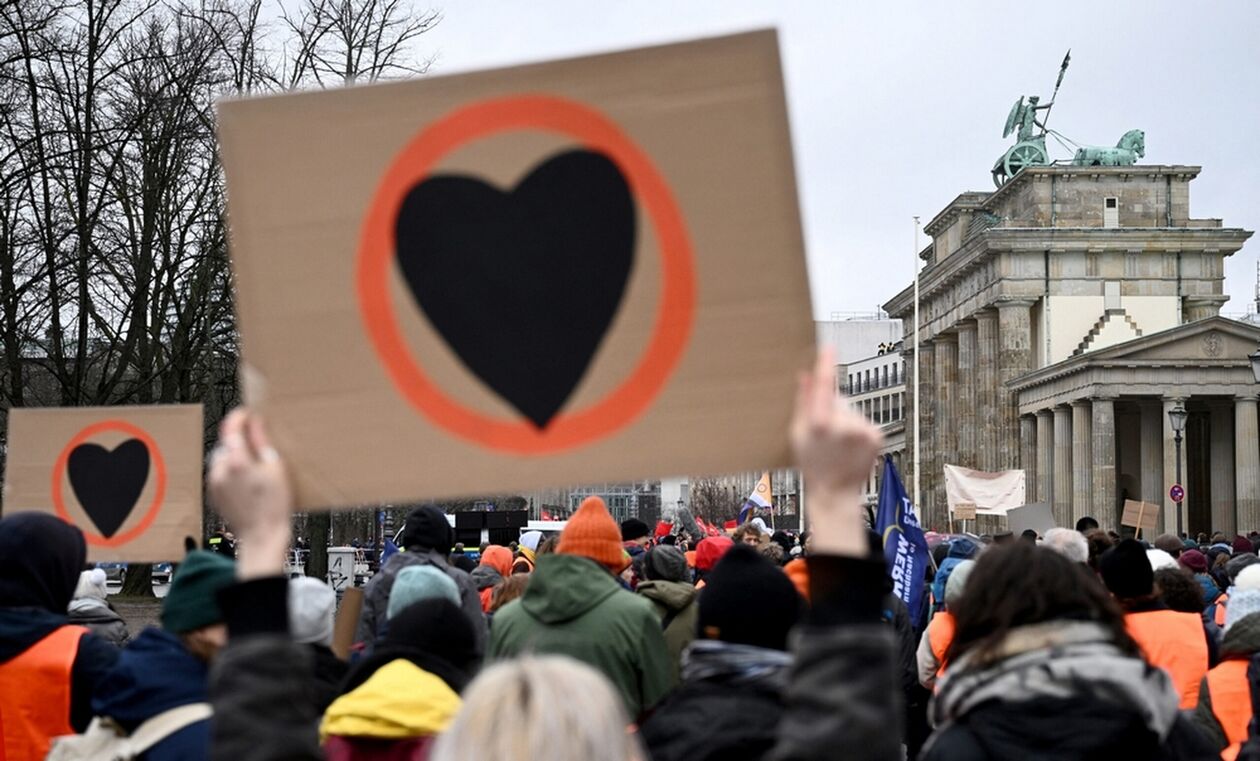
526	708
1068	543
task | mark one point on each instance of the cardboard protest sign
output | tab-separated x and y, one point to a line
576	271
1038	516
128	477
1140	515
964	511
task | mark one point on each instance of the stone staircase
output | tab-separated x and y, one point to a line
1094	332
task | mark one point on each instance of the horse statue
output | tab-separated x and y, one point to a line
1126	153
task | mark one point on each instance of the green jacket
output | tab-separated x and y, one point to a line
574	607
675	601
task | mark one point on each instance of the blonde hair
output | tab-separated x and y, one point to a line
527	708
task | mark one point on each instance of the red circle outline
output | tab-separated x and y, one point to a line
673	324
155	455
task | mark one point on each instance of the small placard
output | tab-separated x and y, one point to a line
964	511
1141	515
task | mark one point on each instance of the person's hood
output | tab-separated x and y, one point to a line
485	577
399	701
498	558
22	627
426	527
1243	637
564	587
962	548
91	610
40	561
733	664
674	595
1063	663
154	673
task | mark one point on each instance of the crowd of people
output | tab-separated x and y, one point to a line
620	642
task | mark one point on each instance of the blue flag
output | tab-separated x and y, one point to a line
905	547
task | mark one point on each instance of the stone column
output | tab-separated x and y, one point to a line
1028	455
1247	462
1045	456
1062	465
946	366
1152	454
1223	472
1082	461
929	452
965	398
1014	359
1103	446
987	412
1169	512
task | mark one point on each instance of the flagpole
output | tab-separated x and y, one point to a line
917	413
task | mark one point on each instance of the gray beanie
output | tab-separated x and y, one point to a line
957	582
665	563
1234	566
312	605
420	582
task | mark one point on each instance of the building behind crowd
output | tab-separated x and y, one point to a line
876	386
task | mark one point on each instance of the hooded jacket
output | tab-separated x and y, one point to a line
40	561
496	563
575	607
1060	674
89	608
395	714
156	673
1241	641
675	604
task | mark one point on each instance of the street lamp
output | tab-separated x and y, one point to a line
1255	364
1177	418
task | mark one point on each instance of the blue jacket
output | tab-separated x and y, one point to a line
155	673
960	549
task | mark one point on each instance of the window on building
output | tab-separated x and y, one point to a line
895	381
1111	212
885	376
850	383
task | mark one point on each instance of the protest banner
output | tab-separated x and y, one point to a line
991	492
1140	515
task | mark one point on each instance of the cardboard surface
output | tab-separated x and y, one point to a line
128	477
964	511
1037	516
1141	515
346	621
576	271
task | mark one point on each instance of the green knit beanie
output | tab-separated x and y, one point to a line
193	599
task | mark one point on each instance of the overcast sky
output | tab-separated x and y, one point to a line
896	107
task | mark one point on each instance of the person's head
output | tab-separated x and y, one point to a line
191	608
497	557
740	579
748	534
426	528
1086	524
1160	559
40	561
438	627
665	563
956	585
1194	560
1218	538
530	540
1241	544
91	585
807	541
524	708
420	582
592	533
1003	537
511	588
635	531
548	545
312	607
709	551
1236	565
1020	584
1099	542
1244	598
1028	535
771	551
1171	544
1068	543
670	539
1178	589
1126	570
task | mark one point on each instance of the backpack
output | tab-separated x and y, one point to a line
105	741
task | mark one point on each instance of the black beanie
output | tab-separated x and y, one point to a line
749	600
633	528
40	560
426	527
1127	571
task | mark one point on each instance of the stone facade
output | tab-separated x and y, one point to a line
1058	264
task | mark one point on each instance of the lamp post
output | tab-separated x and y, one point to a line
1177	418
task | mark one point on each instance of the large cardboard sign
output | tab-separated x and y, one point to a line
128	477
1038	516
576	271
1142	516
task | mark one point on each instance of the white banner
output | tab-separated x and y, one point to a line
991	493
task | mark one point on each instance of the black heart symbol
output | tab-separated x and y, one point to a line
108	484
522	285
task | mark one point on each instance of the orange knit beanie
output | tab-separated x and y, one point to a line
592	533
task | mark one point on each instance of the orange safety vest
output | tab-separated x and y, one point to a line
1231	703
1221	609
35	695
940	634
1176	643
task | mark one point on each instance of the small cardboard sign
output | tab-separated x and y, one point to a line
128	477
964	511
569	272
1038	516
1140	515
346	621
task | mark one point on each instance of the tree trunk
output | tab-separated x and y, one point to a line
317	528
139	580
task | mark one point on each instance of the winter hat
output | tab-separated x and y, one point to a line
742	578
1170	544
420	582
530	540
91	585
710	551
312	605
427	528
633	528
957	582
1242	544
192	601
40	561
1244	598
498	558
592	533
1236	565
665	563
1126	570
1194	560
1160	559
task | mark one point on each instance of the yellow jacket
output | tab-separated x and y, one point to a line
399	701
